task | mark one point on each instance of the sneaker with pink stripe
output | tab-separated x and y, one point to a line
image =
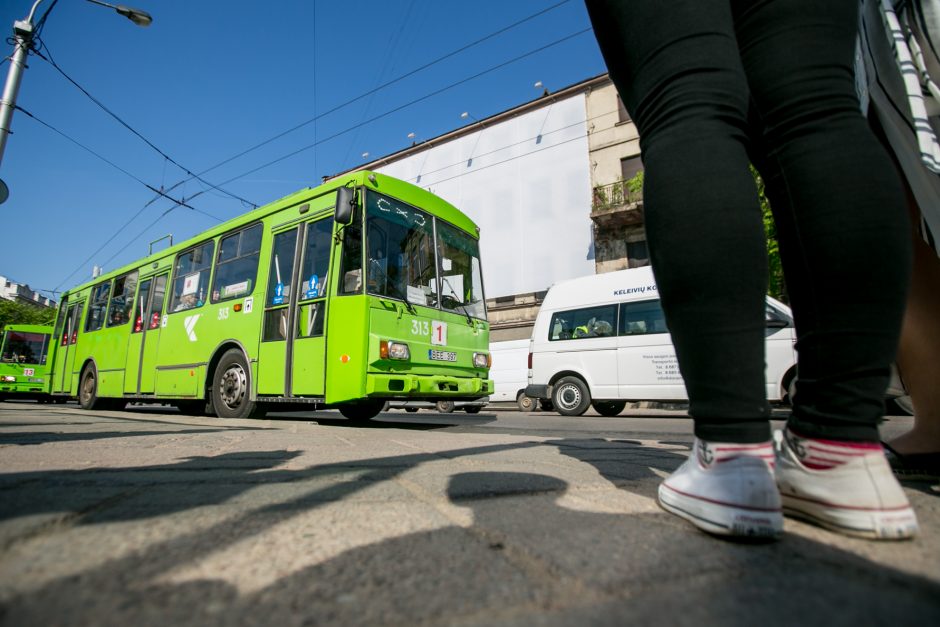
726	489
845	486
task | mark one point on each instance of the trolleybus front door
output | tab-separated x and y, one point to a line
308	353
273	363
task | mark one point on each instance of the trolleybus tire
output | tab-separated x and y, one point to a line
231	387
88	390
445	407
570	396
363	411
608	408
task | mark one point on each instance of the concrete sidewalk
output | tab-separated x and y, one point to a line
132	518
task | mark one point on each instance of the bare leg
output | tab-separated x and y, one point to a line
919	351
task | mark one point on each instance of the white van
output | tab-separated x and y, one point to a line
510	373
600	341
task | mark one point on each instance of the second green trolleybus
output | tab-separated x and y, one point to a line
360	291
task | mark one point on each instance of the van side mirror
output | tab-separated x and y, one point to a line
345	204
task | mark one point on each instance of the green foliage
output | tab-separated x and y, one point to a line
12	312
776	286
635	184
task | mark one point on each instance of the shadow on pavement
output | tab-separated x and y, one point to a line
524	558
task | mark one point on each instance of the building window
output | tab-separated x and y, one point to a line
629	167
637	254
622	115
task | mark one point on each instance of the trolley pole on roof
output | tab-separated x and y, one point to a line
23	32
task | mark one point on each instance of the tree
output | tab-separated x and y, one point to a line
12	312
776	286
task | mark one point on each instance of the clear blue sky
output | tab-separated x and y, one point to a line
212	78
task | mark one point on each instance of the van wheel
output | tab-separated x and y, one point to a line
445	407
231	387
608	408
88	390
571	396
525	403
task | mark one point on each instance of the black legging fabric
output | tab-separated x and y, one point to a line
713	85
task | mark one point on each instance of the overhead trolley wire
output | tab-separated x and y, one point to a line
378	88
408	104
51	61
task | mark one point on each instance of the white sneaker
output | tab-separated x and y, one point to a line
726	489
859	497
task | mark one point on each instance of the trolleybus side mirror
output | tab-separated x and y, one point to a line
345	203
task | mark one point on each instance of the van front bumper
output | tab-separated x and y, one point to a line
542	392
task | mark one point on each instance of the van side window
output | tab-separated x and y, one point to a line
583	323
642	318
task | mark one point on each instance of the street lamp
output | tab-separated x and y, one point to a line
141	18
23	33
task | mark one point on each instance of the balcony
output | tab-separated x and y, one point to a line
618	204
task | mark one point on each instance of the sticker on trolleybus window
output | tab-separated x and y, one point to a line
438	333
28	372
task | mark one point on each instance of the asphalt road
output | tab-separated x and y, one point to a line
148	517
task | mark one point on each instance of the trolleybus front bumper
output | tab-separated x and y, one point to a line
427	386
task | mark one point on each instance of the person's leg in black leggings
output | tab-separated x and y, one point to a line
678	70
837	204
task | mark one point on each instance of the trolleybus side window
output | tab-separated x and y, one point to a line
313	278
156	303
97	306
237	267
280	280
351	267
60	318
122	300
191	277
140	306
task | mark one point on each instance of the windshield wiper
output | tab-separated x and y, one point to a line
457	300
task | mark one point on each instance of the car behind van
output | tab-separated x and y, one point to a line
601	341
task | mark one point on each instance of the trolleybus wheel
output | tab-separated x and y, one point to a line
608	408
571	396
472	409
231	387
362	411
445	407
88	390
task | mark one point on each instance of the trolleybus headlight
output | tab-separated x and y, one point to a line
8	379
394	350
481	360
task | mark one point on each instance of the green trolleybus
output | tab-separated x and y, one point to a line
363	290
24	353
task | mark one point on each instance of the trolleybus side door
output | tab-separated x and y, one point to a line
308	349
65	355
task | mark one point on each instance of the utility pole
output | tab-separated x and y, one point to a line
23	31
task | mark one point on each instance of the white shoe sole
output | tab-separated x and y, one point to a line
720	518
896	524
